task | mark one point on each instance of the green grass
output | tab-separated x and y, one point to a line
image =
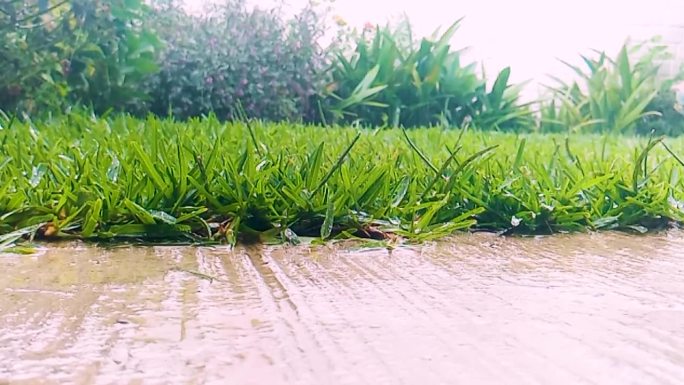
159	180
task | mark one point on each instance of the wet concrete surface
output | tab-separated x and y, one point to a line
475	309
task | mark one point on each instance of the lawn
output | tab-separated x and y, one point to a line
207	181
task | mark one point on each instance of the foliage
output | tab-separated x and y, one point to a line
236	61
611	95
390	79
73	51
236	56
27	55
668	121
90	178
114	54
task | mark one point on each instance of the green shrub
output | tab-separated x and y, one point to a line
113	54
611	95
390	79
236	56
57	53
668	121
29	58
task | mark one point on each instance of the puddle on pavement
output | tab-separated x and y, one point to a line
476	309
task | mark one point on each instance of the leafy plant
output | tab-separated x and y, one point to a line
390	79
611	95
500	109
28	55
668	121
112	52
55	53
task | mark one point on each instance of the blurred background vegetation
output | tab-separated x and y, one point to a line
236	61
56	53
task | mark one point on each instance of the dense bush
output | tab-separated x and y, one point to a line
115	54
390	79
668	120
29	58
237	56
57	53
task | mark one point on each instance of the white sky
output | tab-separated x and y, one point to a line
528	35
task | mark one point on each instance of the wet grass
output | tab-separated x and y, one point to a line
204	181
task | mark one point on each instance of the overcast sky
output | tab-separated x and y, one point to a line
528	35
